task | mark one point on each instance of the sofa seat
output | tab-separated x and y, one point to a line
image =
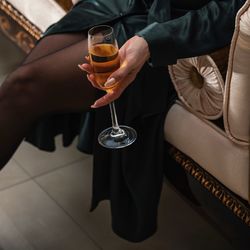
210	147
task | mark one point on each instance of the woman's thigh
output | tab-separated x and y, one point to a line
52	43
50	79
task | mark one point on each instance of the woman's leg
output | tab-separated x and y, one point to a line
45	84
53	43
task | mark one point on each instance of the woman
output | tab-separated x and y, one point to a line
151	34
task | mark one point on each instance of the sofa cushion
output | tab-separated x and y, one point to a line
199	85
237	90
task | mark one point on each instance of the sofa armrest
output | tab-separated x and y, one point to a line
237	91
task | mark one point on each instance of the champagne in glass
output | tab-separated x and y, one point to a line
104	58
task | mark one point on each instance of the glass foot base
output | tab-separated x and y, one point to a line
110	140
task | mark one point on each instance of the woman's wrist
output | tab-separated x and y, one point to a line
144	47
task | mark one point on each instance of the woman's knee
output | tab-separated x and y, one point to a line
17	90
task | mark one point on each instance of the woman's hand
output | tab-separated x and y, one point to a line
133	54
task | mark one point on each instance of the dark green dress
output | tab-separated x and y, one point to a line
131	178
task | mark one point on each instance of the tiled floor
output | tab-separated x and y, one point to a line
44	205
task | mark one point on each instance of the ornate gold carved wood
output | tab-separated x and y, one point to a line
231	201
18	28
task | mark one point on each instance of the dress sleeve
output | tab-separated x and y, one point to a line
197	32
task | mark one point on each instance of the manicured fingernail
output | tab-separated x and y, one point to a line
80	66
93	106
110	82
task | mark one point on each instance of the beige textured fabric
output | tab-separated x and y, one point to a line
209	147
199	85
237	92
42	13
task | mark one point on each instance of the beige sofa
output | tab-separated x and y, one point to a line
216	156
222	152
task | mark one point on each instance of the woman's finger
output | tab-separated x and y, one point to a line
86	68
120	74
91	78
87	58
115	94
106	99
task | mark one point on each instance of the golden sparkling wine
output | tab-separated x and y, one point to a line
104	60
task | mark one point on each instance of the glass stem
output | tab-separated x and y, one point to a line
116	130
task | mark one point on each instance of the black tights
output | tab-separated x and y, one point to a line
47	82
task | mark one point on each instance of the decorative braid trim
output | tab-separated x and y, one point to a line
241	210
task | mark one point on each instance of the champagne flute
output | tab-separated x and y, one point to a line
104	58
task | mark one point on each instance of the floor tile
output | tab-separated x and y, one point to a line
183	228
10	237
180	228
41	221
12	174
71	188
37	162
